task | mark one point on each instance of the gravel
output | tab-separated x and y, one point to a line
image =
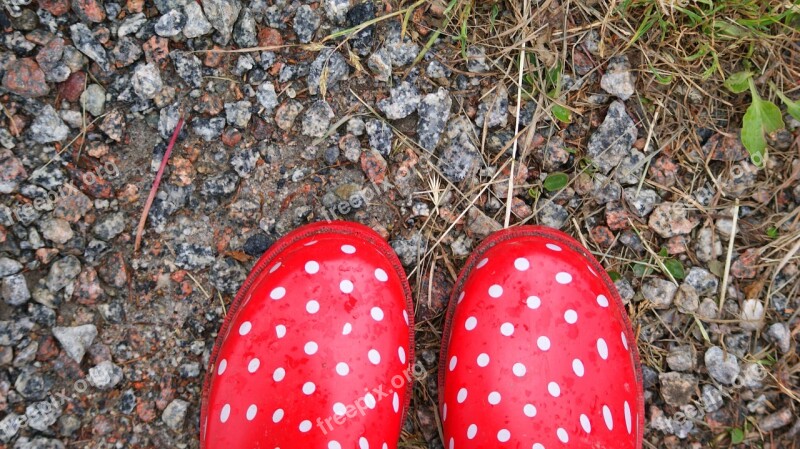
722	367
75	340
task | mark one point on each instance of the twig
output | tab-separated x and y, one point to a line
724	285
512	173
156	182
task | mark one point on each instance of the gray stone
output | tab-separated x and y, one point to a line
712	398
686	299
702	280
110	226
779	334
403	101
677	388
244	32
75	340
317	119
84	40
192	256
476	59
618	79
170	24
9	266
671	219
642	203
14	290
752	318
287	113
625	290
227	275
660	292
188	67
707	245
552	214
380	63
38	443
175	414
56	230
493	109
244	161
222	15
63	272
402	50
305	24
146	81
776	420
723	367
337	70
238	113
208	129
681	358
266	96
94	99
131	24
336	10
196	23
105	375
48	127
434	112
409	250
606	190
612	140
43	414
9	426
380	136
629	171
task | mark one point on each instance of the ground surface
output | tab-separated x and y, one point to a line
625	139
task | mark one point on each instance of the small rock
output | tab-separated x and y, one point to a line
306	22
459	157
779	334
63	272
712	398
244	32
175	413
630	169
493	109
193	256
381	64
336	10
14	290
146	81
337	70
776	420
170	24
552	215
403	101
317	119
244	161
110	227
402	50
12	172
227	275
131	24
703	281
660	292
94	99
256	244
752	315
380	136
681	358
410	249
612	140
188	66
671	219
286	114
75	340
725	147
625	290
707	246
84	40
114	125
208	129
56	230
89	10
434	112
24	78
222	15
238	113
362	12
642	203
677	388
266	96
618	79
105	376
48	127
476	59
724	368
196	23
43	414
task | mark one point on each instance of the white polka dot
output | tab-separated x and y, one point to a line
507	329
624	340
405	317
339	409
376	313
280	330
223	364
225	413
396	403
628	422
245	327
342	369
311	348
563	278
472	430
587	426
519	369
553	247
554	389
444	412
275	267
374	357
607	417
537	446
309	388
385	446
495	291
602	301
462	395
460	298
483	262
252	367
313	242
577	367
503	435
363	443
277	293
494	398
529	410
348	249
602	348
402	354
453	362
470	323
571	316
334	445
251	412
346	286
312	307
562	435
381	275
522	264
278	374
305	426
347	329
483	360
369	399
312	267
533	302
451	443
543	343
277	416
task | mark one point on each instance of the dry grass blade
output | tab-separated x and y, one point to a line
156	182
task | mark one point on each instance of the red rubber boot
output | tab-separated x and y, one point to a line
538	350
315	349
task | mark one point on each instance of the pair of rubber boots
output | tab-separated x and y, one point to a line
317	350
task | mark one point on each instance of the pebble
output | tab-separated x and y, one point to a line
305	24
681	358
105	375
380	136
712	398
63	272
552	215
724	368
707	245
434	112
188	66
643	203
14	290
677	389
83	39
43	414
361	42
660	292
12	172
175	413
244	161
222	15
671	219
146	81
380	63
459	158
629	171
208	129
625	290
24	78
192	256
703	281
618	79
170	24
94	99
244	32
256	244
752	318
403	101
110	226
725	147
75	340
114	125
9	266
776	420
317	119
612	140
553	156
476	59
196	23
56	230
493	109
238	113
48	127
402	51
266	96
227	275
131	24
286	114
337	70
779	334
409	249
89	10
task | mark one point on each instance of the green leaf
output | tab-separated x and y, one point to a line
792	107
555	181
533	192
761	118
738	82
772	232
561	113
615	276
675	268
737	436
662	252
641	270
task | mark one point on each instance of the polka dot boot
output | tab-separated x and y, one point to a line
538	350
315	349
